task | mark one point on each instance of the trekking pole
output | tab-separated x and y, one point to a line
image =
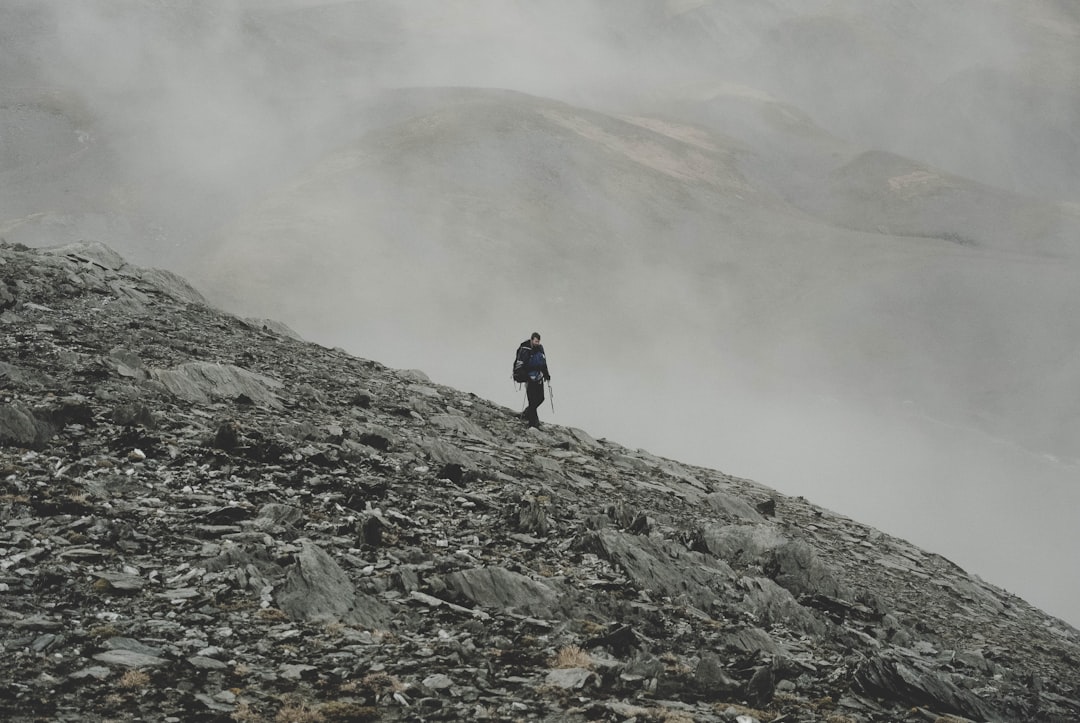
551	396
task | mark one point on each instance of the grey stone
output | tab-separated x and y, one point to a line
761	687
531	516
712	678
203	382
443	452
204	663
458	424
793	564
98	672
662	567
94	251
135	414
276	516
317	589
21	427
125	363
133	646
751	640
908	681
214	704
771	603
122	581
130	659
571	678
294	671
439	681
497	587
376	436
733	507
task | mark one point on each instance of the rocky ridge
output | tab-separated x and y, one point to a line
206	518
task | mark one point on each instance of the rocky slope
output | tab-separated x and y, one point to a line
205	518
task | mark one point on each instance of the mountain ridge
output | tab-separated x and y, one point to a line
208	520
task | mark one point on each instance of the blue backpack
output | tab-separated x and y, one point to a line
529	364
536	365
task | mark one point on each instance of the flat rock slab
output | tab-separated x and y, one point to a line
899	680
571	678
497	587
130	659
317	589
203	382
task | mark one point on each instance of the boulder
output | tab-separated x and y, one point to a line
793	564
202	382
662	567
732	507
893	678
317	589
499	588
21	427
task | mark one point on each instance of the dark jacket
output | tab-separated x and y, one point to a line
535	361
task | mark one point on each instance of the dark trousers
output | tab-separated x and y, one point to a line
535	393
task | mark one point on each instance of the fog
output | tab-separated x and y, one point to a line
678	196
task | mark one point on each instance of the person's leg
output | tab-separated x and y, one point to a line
535	392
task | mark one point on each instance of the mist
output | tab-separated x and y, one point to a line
679	196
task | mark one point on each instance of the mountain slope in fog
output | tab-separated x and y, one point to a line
870	270
816	241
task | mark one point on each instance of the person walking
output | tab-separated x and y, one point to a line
530	366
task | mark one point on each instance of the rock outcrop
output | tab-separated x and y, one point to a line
205	518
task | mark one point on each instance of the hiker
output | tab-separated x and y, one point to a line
530	367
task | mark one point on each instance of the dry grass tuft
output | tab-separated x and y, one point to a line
297	711
380	683
572	657
752	712
272	615
674	716
673	664
245	714
592	628
104	631
236	605
342	712
134	680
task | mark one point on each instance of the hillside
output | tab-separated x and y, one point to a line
839	229
206	518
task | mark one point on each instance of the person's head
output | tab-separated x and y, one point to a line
535	338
